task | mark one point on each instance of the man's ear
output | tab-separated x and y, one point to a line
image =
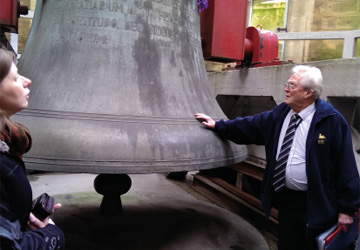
309	93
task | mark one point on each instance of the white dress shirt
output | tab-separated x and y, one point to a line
295	177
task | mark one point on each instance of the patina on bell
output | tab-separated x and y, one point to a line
115	85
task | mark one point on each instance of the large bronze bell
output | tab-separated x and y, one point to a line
115	85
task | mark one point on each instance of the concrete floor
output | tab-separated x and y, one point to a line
157	214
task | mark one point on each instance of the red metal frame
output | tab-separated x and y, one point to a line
9	15
223	26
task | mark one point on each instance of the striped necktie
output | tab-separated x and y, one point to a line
280	167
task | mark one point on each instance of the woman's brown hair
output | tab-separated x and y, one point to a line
6	61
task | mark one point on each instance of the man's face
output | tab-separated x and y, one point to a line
295	94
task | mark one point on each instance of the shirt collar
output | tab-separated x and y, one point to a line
305	112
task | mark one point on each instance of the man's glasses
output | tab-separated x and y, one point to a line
289	85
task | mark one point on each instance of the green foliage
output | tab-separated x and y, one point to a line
268	16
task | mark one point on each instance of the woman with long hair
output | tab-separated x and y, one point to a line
19	228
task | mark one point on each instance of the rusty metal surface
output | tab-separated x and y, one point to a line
114	88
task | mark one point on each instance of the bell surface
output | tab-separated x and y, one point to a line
115	86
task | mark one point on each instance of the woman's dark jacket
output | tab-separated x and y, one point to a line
333	178
15	206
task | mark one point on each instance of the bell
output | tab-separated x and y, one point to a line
115	85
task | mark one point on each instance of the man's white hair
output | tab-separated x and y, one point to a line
310	78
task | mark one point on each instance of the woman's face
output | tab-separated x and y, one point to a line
14	92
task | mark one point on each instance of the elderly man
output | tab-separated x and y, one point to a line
311	175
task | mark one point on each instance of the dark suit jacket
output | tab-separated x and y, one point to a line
333	178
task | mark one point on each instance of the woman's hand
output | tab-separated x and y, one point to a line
35	223
206	120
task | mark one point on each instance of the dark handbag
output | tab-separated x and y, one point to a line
43	206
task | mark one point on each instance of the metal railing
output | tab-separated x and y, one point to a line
349	37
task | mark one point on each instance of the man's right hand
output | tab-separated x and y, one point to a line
206	120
